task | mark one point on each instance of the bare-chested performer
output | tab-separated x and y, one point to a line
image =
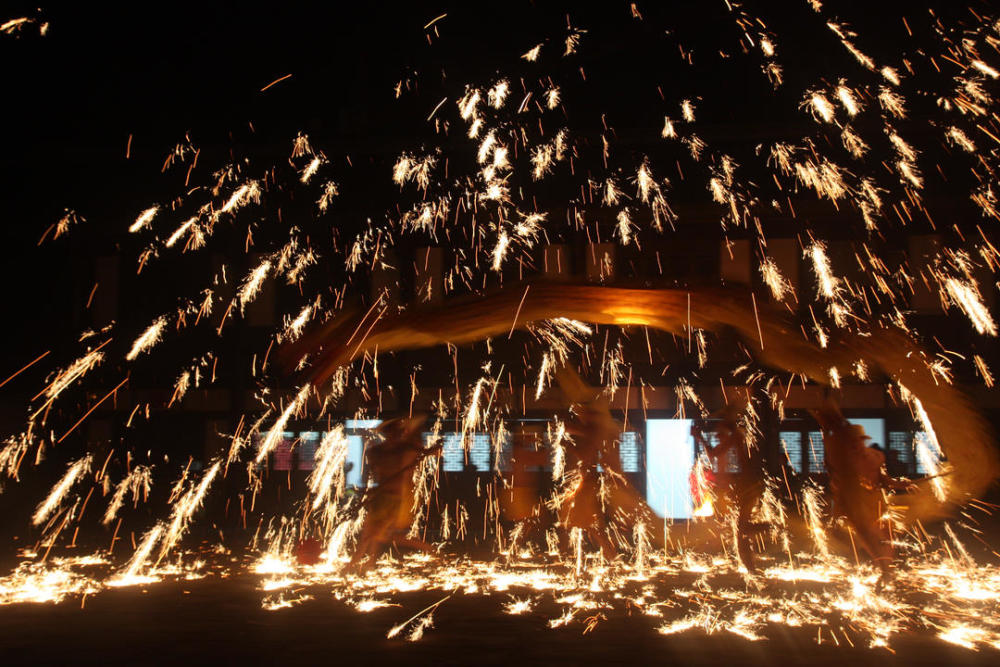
388	505
857	480
747	485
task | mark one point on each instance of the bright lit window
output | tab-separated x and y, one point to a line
453	455
817	458
874	428
357	432
669	459
792	443
628	450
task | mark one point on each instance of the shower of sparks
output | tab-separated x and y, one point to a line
967	298
268	444
253	282
138	483
779	286
477	216
59	491
144	219
148	339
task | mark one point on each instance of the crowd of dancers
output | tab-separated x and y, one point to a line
594	502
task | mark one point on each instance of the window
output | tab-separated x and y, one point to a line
874	429
283	452
628	449
791	441
713	441
900	445
817	463
479	452
358	431
733	461
506	452
900	442
308	440
913	452
669	460
454	456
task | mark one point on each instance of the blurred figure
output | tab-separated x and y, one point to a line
590	452
893	466
524	485
596	487
746	485
857	480
388	503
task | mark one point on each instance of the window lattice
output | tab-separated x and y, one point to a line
792	443
628	449
817	464
453	455
901	444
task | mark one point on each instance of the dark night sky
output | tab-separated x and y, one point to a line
72	98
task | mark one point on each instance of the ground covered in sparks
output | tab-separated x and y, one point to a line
455	611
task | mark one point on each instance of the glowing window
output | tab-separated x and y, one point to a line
901	444
669	459
791	441
358	431
628	449
817	462
454	456
874	428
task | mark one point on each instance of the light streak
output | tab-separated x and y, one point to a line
138	482
147	339
532	54
326	481
180	231
74	472
276	82
184	508
73	372
967	298
687	111
669	131
819	106
274	434
251	285
552	98
144	219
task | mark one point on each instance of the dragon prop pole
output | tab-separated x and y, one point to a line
766	331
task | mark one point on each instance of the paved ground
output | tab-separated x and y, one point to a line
221	622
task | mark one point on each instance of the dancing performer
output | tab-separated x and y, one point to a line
389	503
746	485
857	481
523	485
